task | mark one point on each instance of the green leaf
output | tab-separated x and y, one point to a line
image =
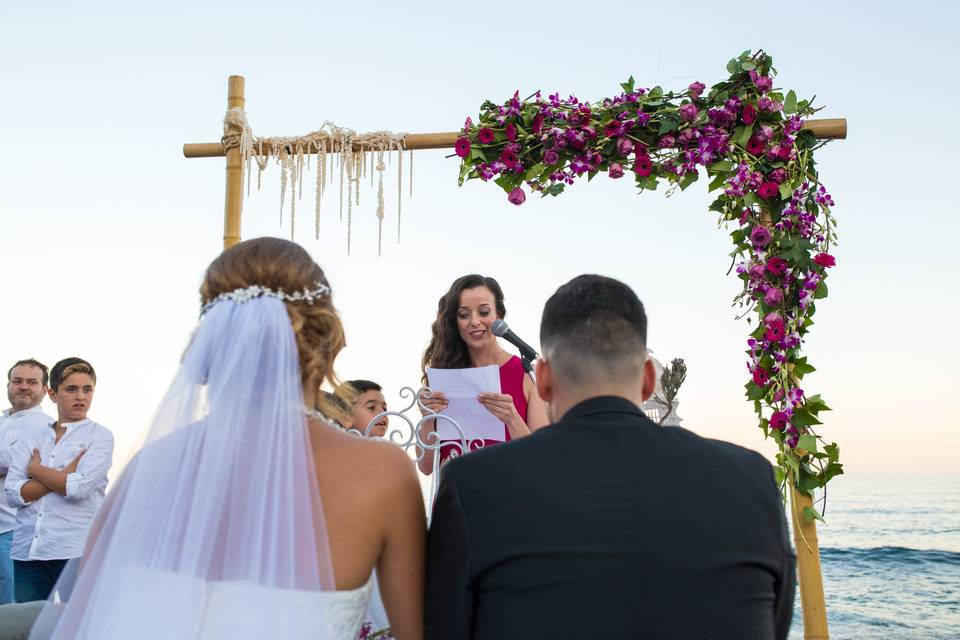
807	443
534	172
476	153
509	182
790	104
755	392
688	179
669	124
810	514
821	291
723	165
744	136
747	66
733	67
628	85
717	182
815	404
803	418
833	452
786	191
553	190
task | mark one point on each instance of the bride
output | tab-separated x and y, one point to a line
246	514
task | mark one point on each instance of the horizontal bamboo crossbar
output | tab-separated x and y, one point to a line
827	129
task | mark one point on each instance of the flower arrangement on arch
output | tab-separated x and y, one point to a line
747	137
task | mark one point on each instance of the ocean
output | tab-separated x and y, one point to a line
890	552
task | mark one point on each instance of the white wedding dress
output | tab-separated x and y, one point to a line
227	610
216	529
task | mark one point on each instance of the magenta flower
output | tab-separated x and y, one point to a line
462	147
467	123
825	260
778	175
749	114
756	145
537	126
485	135
768	189
775	329
615	171
777	266
688	112
589	132
624	146
642	165
764	83
760	236
510	131
613	129
773	297
550	156
696	89
517	196
761	377
779	420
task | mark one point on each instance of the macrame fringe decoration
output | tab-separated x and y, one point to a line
352	151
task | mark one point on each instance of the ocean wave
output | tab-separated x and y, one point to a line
898	555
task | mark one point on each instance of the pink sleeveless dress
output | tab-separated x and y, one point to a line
511	383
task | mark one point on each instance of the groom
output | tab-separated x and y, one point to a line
605	525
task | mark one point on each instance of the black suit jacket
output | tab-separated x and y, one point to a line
606	525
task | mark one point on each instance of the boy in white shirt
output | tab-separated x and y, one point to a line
26	386
58	480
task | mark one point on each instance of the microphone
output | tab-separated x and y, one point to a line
502	330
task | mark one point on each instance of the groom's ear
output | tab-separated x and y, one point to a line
544	374
649	379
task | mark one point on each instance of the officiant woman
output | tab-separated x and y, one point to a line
462	338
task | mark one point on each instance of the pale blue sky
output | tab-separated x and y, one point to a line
106	228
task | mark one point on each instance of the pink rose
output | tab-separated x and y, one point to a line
615	171
688	112
773	297
764	83
517	196
696	89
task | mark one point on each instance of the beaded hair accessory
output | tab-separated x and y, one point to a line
245	294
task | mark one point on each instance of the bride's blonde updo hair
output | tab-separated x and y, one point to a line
278	264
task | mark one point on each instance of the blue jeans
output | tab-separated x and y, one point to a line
34	579
6	568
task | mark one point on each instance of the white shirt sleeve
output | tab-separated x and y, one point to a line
17	473
92	468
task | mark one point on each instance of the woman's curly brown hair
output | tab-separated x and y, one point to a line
282	265
446	349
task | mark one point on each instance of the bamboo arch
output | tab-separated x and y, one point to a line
812	599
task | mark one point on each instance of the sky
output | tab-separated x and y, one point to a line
106	229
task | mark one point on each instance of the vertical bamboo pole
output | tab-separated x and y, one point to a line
233	206
812	600
813	603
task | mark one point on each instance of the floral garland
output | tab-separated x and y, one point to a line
750	138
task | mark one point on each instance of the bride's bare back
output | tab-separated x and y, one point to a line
375	518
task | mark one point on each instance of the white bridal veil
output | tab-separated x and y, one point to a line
219	507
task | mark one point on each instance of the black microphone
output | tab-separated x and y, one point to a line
502	330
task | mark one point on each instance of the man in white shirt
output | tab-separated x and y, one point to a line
26	387
58	480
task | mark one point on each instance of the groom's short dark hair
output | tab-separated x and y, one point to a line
592	327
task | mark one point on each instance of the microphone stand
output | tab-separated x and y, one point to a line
528	365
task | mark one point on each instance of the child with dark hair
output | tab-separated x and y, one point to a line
369	402
57	481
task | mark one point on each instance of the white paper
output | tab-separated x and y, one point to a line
461	388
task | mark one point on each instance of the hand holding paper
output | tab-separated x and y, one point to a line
461	388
